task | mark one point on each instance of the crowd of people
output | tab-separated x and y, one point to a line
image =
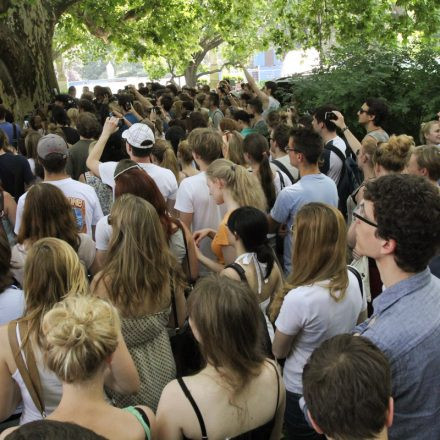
299	262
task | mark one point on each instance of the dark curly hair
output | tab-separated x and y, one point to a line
407	209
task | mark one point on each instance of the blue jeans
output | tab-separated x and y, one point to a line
295	424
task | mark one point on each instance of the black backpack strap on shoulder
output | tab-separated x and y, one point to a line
284	169
240	271
355	272
283	184
341	156
195	407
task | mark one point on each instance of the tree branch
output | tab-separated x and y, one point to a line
61	6
209	72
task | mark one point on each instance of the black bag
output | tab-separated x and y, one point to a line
349	179
186	350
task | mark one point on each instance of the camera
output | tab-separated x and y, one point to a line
330	116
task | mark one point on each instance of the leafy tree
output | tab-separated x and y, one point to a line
407	78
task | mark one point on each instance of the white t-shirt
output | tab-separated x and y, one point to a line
193	197
103	234
285	160
273	104
11	304
335	169
82	198
164	178
311	315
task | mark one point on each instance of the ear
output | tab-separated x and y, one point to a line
109	359
388	246
390	414
314	424
424	172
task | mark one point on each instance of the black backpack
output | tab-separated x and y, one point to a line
350	177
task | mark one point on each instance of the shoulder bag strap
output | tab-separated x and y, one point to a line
179	224
173	303
355	272
195	407
240	271
29	372
284	169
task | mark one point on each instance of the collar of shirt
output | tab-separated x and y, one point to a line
393	293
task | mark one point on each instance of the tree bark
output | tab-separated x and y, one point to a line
27	76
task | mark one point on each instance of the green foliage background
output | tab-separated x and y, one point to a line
408	78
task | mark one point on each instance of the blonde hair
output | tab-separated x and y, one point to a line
235	152
80	334
319	253
52	271
369	146
30	143
245	188
394	155
73	114
163	152
139	263
425	128
429	157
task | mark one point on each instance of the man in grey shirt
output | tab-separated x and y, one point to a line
398	224
215	114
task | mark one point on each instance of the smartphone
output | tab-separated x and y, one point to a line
26	124
330	116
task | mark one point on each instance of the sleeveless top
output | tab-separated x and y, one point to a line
262	432
149	345
142	418
260	269
50	385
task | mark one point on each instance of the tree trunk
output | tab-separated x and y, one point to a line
191	74
27	76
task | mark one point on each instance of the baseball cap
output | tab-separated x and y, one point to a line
123	166
137	134
51	143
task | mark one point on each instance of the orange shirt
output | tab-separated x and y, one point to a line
221	239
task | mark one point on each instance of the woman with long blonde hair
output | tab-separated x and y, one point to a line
321	299
52	272
139	277
225	399
234	186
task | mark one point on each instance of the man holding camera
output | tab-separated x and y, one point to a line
335	150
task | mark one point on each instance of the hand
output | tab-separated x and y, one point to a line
282	230
110	126
153	115
340	122
200	235
117	114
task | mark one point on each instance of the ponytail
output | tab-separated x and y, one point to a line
163	152
256	146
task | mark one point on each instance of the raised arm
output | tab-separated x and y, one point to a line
355	145
92	163
255	88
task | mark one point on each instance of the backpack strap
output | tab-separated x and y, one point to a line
281	179
284	169
28	369
355	272
239	269
341	156
180	226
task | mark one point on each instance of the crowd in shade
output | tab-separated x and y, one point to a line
197	263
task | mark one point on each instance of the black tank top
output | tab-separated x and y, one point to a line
260	433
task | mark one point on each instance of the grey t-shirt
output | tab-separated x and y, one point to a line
379	135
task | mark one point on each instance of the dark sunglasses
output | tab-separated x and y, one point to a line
361	110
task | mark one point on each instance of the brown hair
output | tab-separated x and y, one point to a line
429	157
80	334
228	329
352	372
139	261
235	151
319	253
228	124
163	152
184	152
206	143
394	155
52	272
243	185
6	279
30	143
47	213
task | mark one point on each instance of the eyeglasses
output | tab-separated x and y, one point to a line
294	149
361	110
362	218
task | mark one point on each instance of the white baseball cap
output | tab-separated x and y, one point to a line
139	134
